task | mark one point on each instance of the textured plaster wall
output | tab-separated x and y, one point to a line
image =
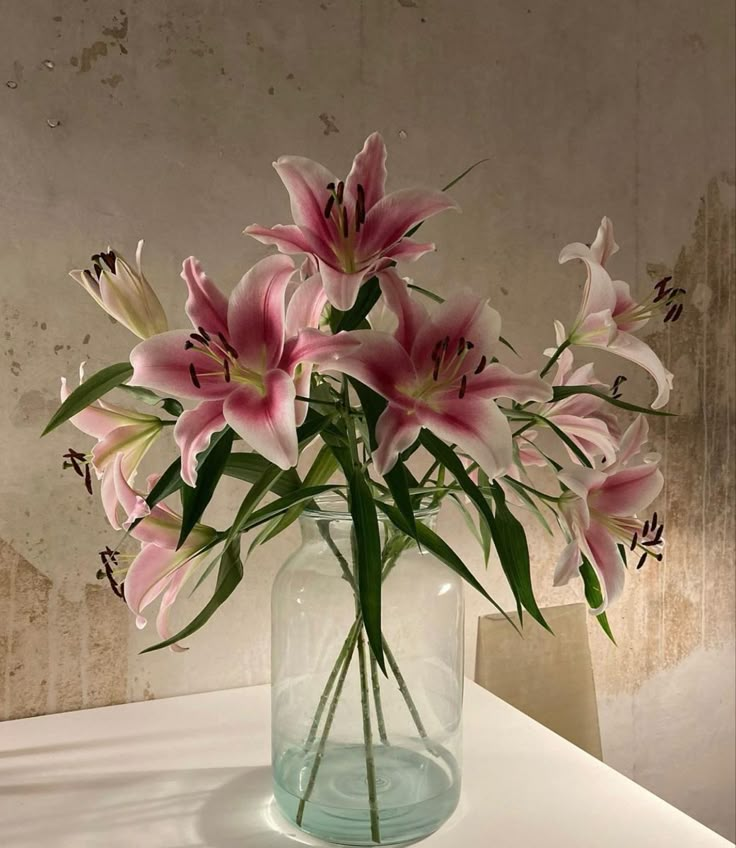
128	119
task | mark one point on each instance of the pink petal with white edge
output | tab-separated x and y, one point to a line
381	363
607	563
599	293
588	433
625	303
206	305
148	575
256	312
158	526
193	432
307	181
604	245
409	250
93	420
568	564
390	219
341	288
109	499
633	440
178	579
267	421
627	492
411	315
634	349
497	380
581	480
369	171
306	305
317	348
396	430
477	427
289	238
162	363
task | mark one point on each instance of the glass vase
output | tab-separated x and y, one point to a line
360	758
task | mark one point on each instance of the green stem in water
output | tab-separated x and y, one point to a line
376	684
370	764
325	734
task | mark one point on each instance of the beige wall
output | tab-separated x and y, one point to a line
161	120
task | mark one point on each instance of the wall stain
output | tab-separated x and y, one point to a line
329	124
89	56
119	28
33	408
113	81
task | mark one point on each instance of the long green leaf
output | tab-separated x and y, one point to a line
281	505
229	575
506	532
195	500
368	296
594	595
256	493
510	541
562	392
92	389
367	556
171	405
250	466
427	538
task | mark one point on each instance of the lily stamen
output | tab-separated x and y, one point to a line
193	375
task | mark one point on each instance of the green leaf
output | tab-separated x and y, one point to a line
485	533
89	391
171	405
368	296
194	500
622	554
256	493
506	532
510	541
562	392
249	467
427	293
428	539
168	483
229	575
367	556
529	501
508	344
281	505
594	595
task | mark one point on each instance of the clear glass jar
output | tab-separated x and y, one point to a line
359	759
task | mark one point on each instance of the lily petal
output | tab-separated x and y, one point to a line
255	314
626	492
266	421
568	564
341	288
409	250
395	214
396	430
477	427
590	434
289	238
368	171
633	439
147	576
178	579
635	350
162	363
307	181
306	305
192	433
411	315
206	305
607	563
497	380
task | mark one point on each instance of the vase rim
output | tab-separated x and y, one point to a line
332	506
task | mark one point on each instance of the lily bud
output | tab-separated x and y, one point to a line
124	293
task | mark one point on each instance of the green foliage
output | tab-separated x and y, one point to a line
562	392
92	389
594	595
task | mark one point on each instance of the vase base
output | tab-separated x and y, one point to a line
416	792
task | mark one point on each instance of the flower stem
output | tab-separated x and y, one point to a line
325	734
555	356
376	684
370	764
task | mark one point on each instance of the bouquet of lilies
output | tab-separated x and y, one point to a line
406	391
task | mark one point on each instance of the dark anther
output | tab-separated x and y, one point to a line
330	186
463	387
481	365
659	557
109	558
654	520
226	366
469	345
87	479
227	346
201	339
109	260
329	205
193	375
658	536
436	351
445	344
205	335
340	191
345	222
98	270
75	458
360	207
642	560
645	529
188	345
634	541
436	369
674	312
90	279
661	288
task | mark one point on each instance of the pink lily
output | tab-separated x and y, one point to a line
119	432
434	372
245	361
586	419
350	228
159	568
124	292
609	316
600	510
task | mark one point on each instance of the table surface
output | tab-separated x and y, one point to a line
194	771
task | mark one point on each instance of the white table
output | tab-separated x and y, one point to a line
194	771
